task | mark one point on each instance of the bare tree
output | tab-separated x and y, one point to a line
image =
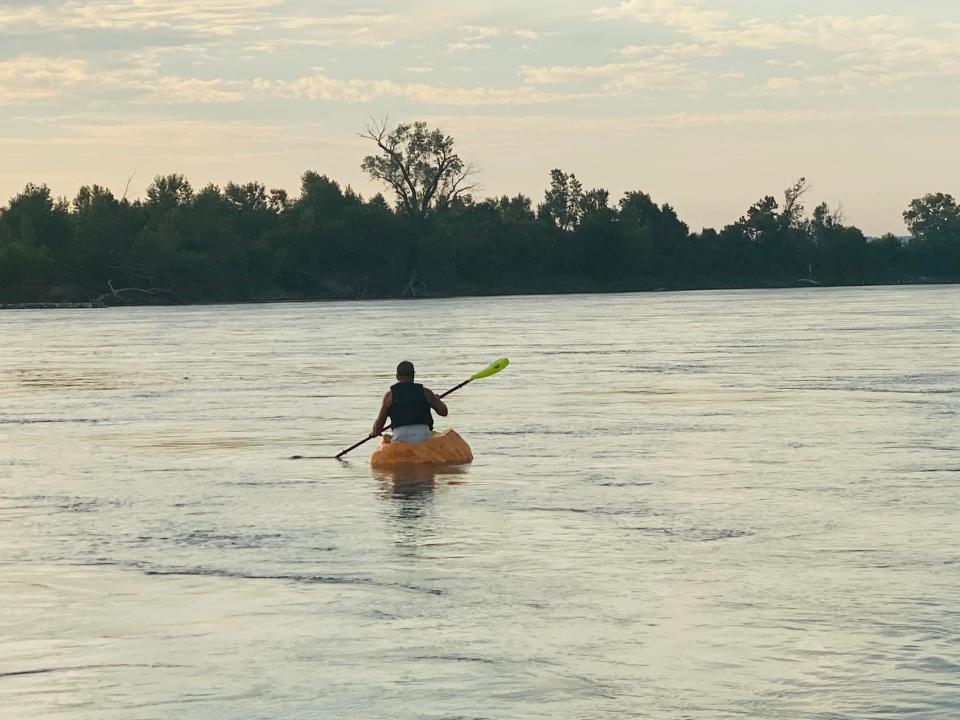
793	208
425	173
126	188
419	164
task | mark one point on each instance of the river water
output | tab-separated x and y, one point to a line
736	504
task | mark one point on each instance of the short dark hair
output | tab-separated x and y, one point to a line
405	369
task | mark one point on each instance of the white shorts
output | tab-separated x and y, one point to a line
411	434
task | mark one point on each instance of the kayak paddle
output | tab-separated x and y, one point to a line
491	369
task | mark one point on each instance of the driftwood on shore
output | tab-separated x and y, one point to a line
116	296
136	296
416	289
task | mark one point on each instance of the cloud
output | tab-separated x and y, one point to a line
204	18
477	37
828	32
356	30
722	29
169	89
527	34
481	32
847	81
658	71
30	77
320	86
356	21
873	50
33	15
783	84
777	62
685	50
275	45
207	17
614	77
681	14
466	45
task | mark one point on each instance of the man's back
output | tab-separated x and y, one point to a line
408	404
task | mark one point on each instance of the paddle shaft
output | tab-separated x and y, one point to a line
370	437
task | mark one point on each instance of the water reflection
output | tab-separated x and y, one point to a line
412	490
417	483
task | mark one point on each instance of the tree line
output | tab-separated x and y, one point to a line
243	242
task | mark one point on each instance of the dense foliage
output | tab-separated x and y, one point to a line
243	242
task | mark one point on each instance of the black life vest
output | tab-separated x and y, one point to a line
409	406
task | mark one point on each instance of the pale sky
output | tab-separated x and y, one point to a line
705	104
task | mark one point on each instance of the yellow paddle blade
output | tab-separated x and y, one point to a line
493	369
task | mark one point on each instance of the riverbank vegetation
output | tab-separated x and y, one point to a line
245	242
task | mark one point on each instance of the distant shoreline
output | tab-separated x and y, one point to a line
919	282
245	244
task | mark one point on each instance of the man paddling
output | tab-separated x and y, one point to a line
408	405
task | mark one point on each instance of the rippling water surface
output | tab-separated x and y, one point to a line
692	505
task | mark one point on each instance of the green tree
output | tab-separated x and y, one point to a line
425	172
102	249
167	192
933	218
35	240
166	251
563	201
934	224
887	256
777	239
841	253
245	242
655	241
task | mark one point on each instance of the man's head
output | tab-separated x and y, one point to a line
405	370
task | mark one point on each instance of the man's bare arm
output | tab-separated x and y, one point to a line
436	403
381	420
